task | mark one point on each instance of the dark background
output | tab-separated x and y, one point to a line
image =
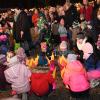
31	3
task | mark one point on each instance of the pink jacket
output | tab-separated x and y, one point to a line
93	74
75	77
18	75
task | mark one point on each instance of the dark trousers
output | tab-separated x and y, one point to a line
83	94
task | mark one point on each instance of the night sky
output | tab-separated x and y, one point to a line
29	3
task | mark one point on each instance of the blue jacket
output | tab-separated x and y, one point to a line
90	63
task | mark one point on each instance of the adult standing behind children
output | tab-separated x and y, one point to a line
21	29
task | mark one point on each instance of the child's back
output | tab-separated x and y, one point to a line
17	74
40	81
75	77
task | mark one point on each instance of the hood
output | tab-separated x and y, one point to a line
21	54
13	61
75	66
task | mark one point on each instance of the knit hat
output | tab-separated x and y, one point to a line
21	54
80	35
63	46
72	57
3	37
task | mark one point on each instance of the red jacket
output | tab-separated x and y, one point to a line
87	12
40	83
35	19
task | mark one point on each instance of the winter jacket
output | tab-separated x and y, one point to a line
40	83
87	12
22	24
75	77
35	19
18	75
62	31
91	64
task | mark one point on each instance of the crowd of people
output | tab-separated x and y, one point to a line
62	34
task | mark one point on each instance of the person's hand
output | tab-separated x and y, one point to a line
67	86
21	33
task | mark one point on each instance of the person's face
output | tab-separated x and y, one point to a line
36	29
98	1
51	16
17	11
98	14
85	2
1	30
61	11
43	46
46	12
62	22
67	5
80	41
36	11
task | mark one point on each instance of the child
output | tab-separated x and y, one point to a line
63	52
91	58
75	78
42	81
20	53
18	75
62	30
90	53
63	48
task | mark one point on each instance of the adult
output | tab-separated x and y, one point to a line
71	14
96	24
35	17
21	29
86	10
91	55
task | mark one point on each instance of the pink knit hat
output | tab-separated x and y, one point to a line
63	46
